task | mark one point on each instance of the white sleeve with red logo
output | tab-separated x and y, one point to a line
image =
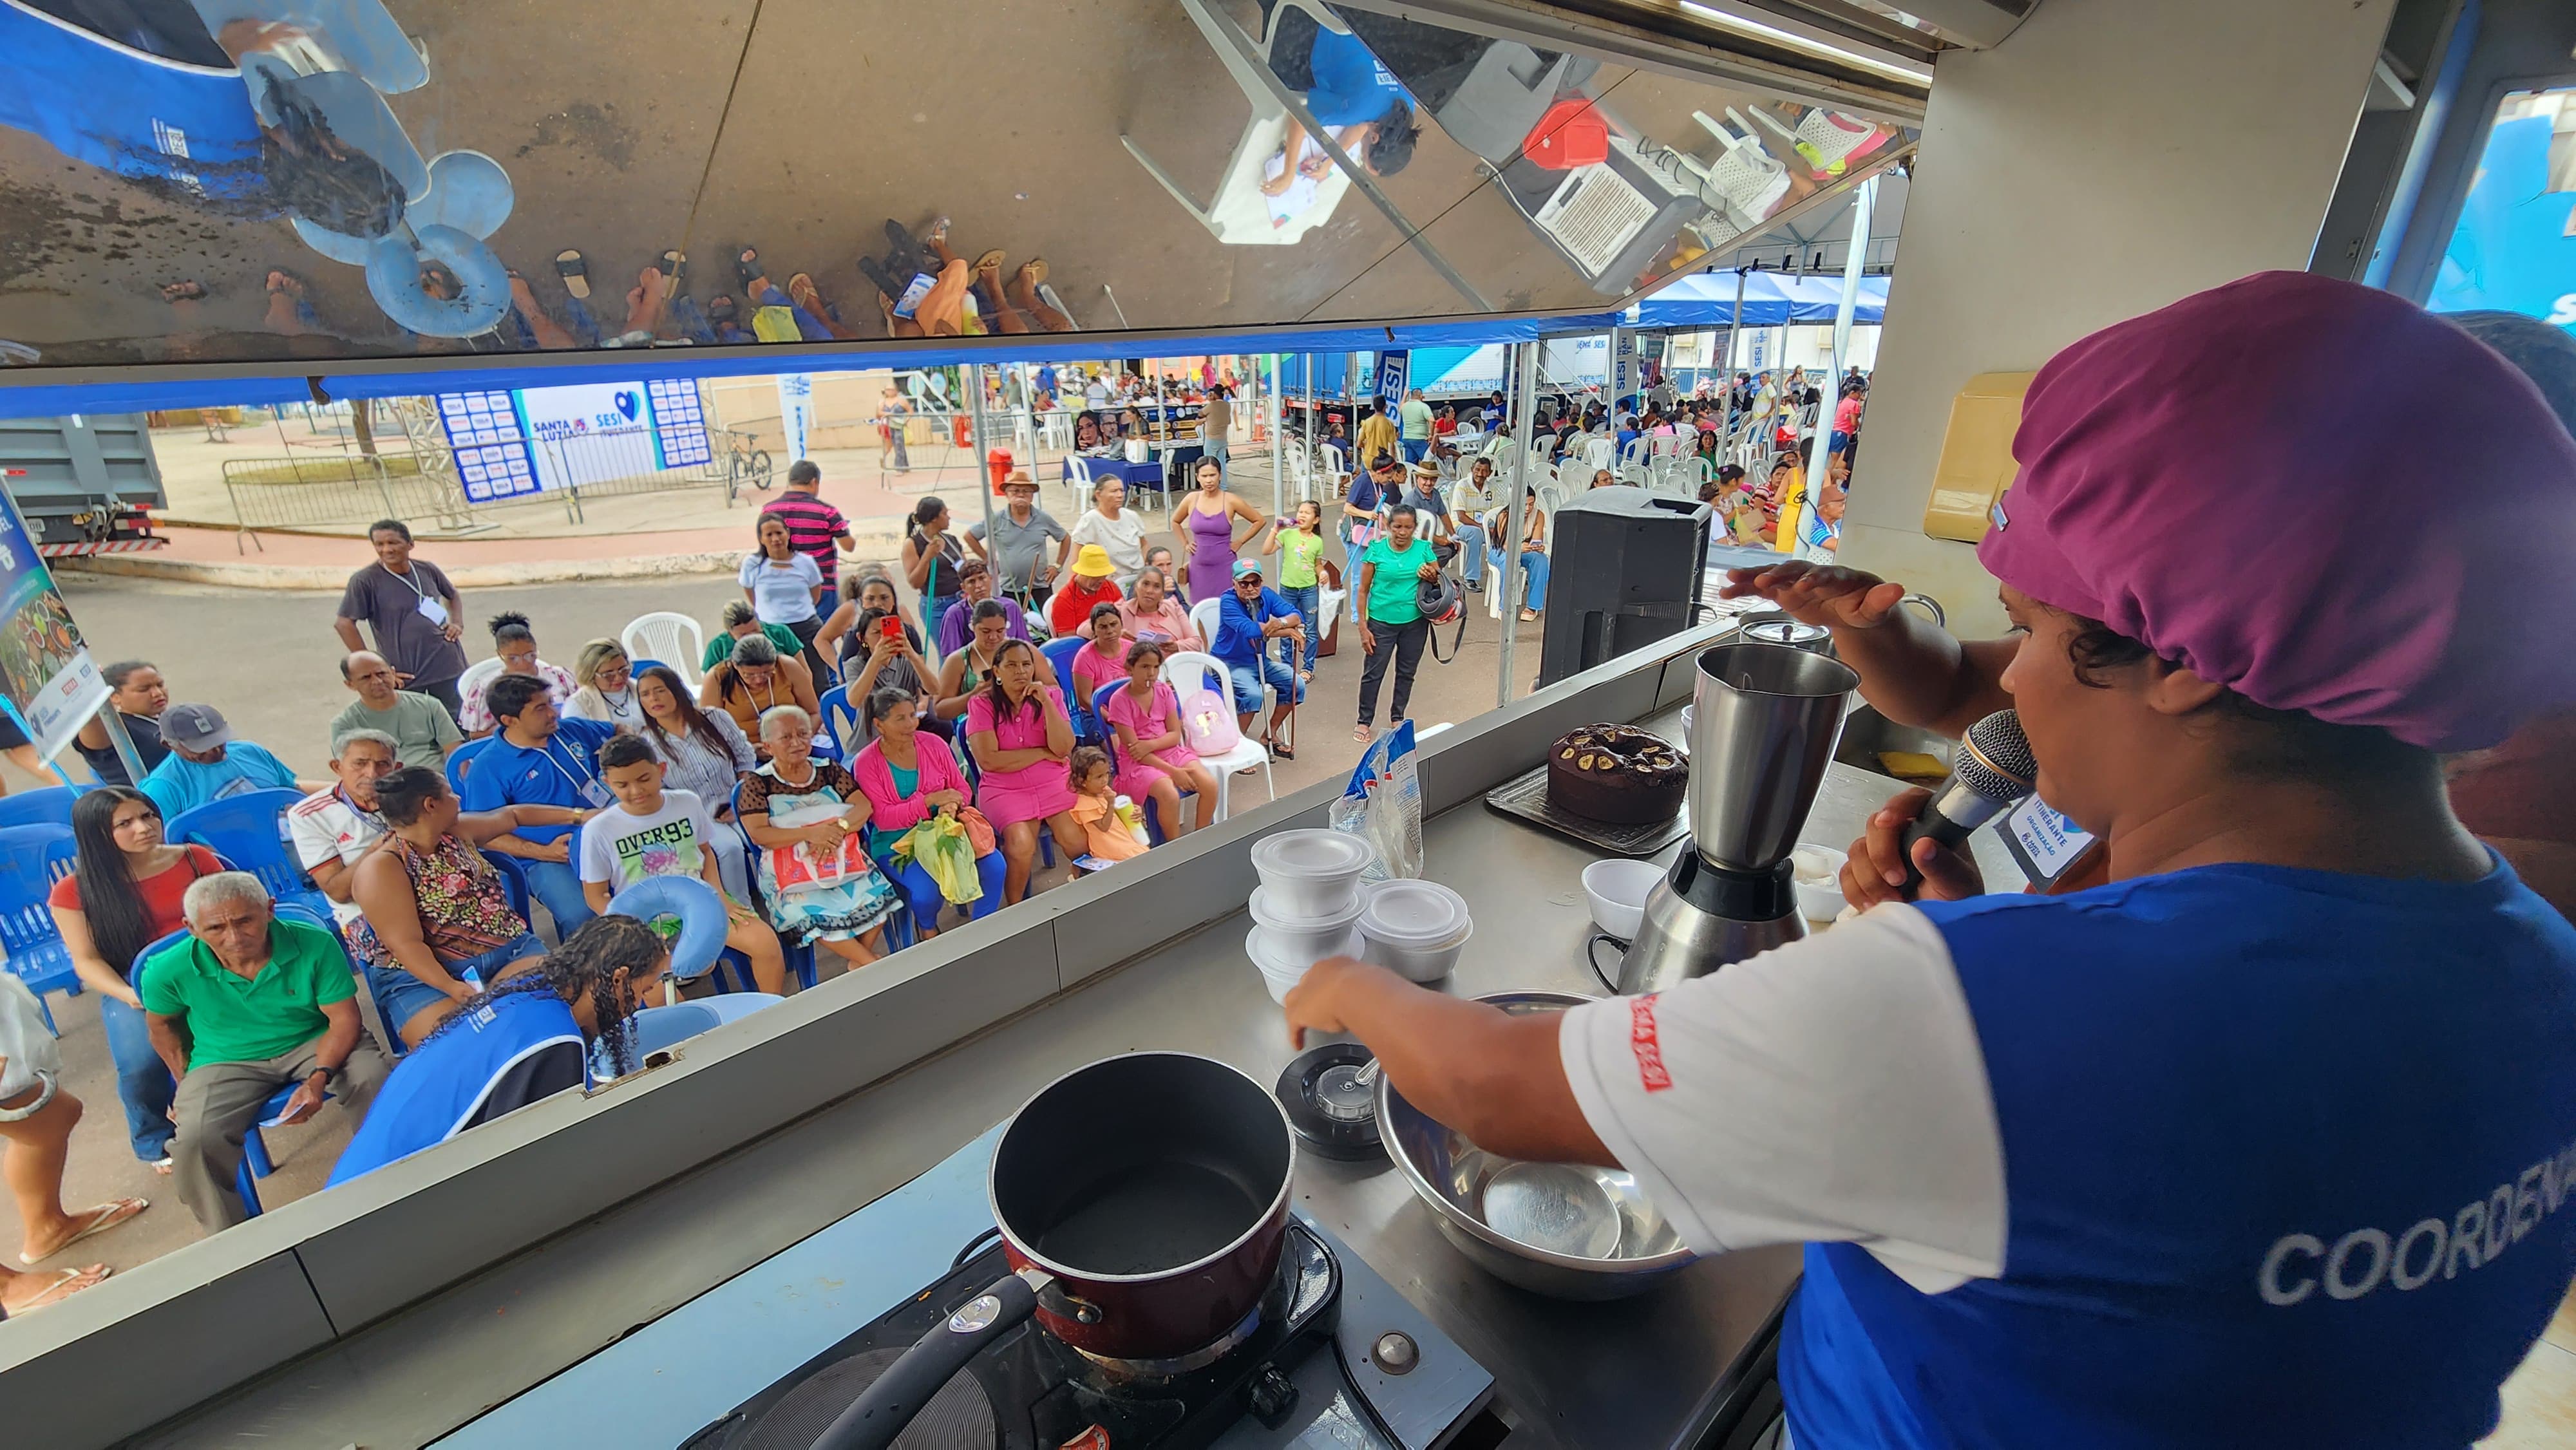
1831	1090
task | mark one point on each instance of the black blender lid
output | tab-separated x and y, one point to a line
1331	1111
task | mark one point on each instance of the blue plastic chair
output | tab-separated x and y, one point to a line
463	757
636	667
32	859
1060	653
249	830
657	1029
839	726
47	806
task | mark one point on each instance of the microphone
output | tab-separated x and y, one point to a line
1992	772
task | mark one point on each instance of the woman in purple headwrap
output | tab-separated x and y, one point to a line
2270	1138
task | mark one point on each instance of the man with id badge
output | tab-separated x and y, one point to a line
539	757
411	608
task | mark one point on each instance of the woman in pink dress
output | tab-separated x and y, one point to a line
1104	660
1022	738
1153	764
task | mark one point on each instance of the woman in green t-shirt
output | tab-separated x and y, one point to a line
1391	622
1300	547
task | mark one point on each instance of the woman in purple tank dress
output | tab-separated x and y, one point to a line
1207	529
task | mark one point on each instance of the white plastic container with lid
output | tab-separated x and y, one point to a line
1302	940
1311	873
1416	929
1281	976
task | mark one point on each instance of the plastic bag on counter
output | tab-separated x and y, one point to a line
1383	805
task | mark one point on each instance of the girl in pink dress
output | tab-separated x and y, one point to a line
1153	764
1104	660
1022	737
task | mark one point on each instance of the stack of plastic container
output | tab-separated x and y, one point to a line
1308	904
1416	929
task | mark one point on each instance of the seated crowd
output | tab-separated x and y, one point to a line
944	783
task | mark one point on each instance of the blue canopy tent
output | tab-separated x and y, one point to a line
1707	299
24	393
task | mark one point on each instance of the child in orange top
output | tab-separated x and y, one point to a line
1095	807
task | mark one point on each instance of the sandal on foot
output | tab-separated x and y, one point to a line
747	268
1035	269
1361	734
575	272
67	1283
989	262
675	269
102	1218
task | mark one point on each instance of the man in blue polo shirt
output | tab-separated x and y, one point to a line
1248	617
206	763
539	757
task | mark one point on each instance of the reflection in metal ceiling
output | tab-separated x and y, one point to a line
293	183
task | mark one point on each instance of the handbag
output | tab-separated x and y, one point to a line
1443	600
979	830
1207	723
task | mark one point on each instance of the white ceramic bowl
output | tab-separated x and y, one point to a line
1416	929
1820	900
1311	873
1302	941
1617	889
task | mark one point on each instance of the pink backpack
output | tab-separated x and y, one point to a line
1207	721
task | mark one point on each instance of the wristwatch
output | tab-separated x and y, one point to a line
331	1075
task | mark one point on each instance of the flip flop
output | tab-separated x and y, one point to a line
102	1218
67	1283
575	272
747	268
675	270
1036	268
989	262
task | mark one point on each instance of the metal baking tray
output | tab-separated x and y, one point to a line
1526	797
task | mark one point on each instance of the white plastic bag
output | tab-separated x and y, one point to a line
1383	806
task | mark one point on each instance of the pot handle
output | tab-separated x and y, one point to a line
907	1384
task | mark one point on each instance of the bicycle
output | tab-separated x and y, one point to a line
746	464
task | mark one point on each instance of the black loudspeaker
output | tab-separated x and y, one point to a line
1624	571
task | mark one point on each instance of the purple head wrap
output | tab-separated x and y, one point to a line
2314	493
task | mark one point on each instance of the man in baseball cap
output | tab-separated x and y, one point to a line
206	763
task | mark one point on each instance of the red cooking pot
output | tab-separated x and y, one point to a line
1142	1201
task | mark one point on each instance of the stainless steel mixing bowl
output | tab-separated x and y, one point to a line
1564	1230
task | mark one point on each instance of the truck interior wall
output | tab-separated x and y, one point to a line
2109	158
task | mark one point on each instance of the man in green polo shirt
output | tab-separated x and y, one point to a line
247	1005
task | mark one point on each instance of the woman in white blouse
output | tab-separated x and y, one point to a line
701	751
607	692
786	588
1108	524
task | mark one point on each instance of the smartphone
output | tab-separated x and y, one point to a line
891	628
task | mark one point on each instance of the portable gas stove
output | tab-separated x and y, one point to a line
1337	1359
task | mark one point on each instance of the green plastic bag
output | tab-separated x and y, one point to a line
939	846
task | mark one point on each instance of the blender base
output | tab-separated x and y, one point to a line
1702	916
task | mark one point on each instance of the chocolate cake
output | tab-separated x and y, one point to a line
1616	773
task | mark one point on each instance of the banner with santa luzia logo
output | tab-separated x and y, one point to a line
537	440
52	685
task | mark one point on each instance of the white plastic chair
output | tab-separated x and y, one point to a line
674	639
1190	671
1598	453
478	674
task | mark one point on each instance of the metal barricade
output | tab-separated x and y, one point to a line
334	490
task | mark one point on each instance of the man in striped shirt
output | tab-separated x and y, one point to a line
814	528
